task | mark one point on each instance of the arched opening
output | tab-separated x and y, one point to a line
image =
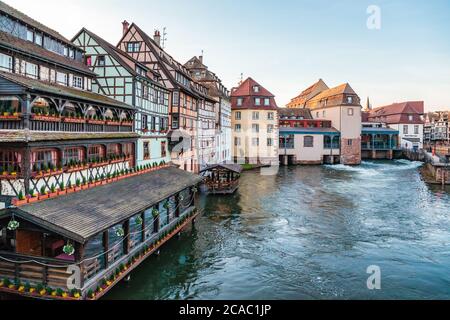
45	107
72	111
10	105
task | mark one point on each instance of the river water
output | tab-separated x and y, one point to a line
309	233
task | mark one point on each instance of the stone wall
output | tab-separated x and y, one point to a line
351	154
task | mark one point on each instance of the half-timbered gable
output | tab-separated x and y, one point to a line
185	98
123	78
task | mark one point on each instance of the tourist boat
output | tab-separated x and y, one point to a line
221	178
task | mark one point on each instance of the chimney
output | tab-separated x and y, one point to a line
157	37
125	25
200	58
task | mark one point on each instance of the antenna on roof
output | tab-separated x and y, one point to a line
164	38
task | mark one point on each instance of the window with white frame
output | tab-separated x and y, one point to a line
255	115
255	142
30	35
267	102
257	101
270	116
238	116
269	128
405	129
38	39
31	70
77	82
237	128
255	128
133	46
5	62
269	142
239	102
61	78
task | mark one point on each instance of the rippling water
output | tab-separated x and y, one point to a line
310	233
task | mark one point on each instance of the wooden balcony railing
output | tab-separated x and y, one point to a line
51	123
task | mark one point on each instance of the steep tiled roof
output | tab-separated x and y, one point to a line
341	89
31	22
69	92
95	209
29	48
399	113
246	89
308	93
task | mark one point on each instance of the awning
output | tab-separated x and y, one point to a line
80	216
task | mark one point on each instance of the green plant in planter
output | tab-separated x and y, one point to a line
139	220
108	176
155	213
20	196
39	287
84	180
59	292
90	180
90	293
120	232
42	190
52	188
78	182
69	249
62	187
69	184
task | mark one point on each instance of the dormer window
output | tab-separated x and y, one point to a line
72	53
66	51
267	102
257	101
410	117
349	99
256	89
239	102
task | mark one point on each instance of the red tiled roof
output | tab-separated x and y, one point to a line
248	95
399	113
308	93
246	89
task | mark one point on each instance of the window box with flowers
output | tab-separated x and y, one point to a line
127	123
46	170
8	116
46	117
111	122
77	119
75	166
8	173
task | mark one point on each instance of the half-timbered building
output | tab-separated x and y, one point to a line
123	78
199	71
185	99
77	213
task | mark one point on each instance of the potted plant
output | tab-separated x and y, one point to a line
20	200
53	192
69	188
77	185
43	193
62	189
32	197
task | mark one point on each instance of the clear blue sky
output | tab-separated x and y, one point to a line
287	45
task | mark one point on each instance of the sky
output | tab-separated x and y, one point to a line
286	45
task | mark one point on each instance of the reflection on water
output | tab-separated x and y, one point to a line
309	233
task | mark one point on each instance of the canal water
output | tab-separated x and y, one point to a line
309	233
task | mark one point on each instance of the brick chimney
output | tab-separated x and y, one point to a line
125	26
200	58
157	37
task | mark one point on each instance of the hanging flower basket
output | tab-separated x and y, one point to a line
139	221
69	249
155	213
13	225
120	232
166	205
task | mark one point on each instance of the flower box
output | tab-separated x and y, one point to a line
39	117
92	121
43	196
126	123
33	199
62	192
10	176
43	174
53	194
10	117
70	190
75	169
74	120
96	165
77	189
16	202
118	160
84	187
112	123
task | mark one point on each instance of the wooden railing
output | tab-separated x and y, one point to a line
34	273
42	125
